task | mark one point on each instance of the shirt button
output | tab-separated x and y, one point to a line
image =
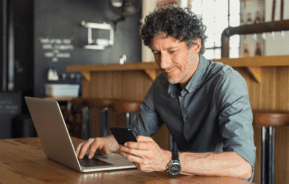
186	118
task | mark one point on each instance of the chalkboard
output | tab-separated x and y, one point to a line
59	38
10	106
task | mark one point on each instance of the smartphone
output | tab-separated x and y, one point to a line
123	135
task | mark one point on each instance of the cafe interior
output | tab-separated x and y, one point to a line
87	55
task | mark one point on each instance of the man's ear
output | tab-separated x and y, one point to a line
197	47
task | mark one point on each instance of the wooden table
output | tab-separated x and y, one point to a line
23	161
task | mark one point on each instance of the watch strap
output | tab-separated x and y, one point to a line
175	155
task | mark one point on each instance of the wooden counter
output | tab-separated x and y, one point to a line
234	62
23	161
253	64
267	78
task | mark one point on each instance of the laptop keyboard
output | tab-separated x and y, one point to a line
94	162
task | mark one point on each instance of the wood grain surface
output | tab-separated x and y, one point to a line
23	161
271	94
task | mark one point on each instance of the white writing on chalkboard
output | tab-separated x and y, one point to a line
56	48
7	107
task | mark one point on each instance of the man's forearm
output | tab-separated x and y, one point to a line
111	142
215	164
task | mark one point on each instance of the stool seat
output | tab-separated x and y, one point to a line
127	106
271	118
99	103
79	102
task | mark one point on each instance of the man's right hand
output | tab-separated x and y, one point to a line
92	145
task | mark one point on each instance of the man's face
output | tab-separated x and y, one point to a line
176	61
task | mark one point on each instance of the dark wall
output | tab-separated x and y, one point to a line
2	38
61	20
23	45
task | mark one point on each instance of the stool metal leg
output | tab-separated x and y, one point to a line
264	173
269	160
130	117
85	123
127	117
268	155
272	154
104	123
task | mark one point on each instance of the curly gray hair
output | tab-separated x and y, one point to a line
181	24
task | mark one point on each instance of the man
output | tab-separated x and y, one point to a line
205	106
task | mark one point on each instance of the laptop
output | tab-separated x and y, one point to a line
56	142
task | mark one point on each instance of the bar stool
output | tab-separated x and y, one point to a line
128	107
269	119
103	105
82	104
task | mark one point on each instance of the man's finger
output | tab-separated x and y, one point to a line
132	158
85	147
139	145
78	148
93	147
136	152
141	138
105	149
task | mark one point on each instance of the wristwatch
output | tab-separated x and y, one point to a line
174	167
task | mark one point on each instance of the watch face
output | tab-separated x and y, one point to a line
175	169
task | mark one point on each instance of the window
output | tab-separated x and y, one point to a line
217	15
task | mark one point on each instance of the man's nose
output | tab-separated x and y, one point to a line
165	61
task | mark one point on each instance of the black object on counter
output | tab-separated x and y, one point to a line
22	126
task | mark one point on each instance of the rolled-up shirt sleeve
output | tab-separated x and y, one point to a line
236	118
148	121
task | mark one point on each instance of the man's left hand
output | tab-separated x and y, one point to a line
146	154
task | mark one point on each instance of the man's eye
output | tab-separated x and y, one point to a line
156	53
172	51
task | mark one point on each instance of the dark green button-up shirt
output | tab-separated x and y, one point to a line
211	114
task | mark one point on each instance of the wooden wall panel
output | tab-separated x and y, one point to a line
257	141
282	88
282	155
85	88
132	85
271	93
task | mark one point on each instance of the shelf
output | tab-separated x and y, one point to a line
150	68
260	61
254	66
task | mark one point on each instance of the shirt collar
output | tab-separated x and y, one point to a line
174	90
